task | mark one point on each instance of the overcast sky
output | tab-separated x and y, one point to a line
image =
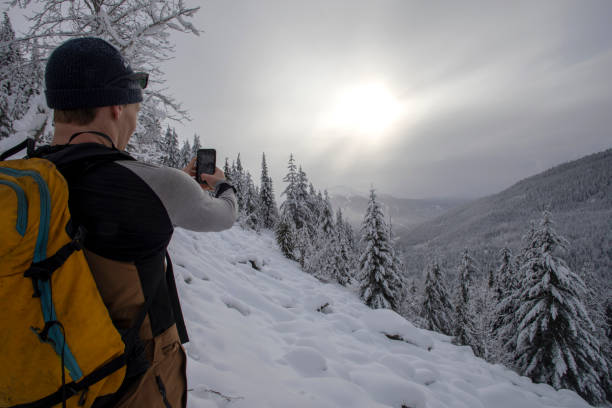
418	98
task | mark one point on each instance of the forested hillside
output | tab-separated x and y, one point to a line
578	193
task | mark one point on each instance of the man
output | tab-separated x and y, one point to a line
129	210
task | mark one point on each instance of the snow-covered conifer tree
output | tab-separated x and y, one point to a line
195	145
556	341
413	303
315	204
305	253
252	207
380	284
288	210
326	219
185	155
286	236
240	183
269	212
464	319
295	205
598	304
342	262
505	281
398	264
170	149
437	310
506	293
484	301
349	236
227	170
325	243
303	213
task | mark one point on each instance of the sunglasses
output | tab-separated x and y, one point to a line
142	78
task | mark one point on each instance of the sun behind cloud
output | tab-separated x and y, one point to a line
365	110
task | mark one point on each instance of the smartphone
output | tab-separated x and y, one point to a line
206	163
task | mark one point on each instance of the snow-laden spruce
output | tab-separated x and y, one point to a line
268	213
381	285
556	342
464	318
504	330
437	310
294	209
169	146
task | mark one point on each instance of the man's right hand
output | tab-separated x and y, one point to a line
212	179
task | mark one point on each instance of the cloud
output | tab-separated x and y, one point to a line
498	91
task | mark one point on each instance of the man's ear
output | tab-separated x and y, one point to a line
116	111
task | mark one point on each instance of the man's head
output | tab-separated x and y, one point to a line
88	80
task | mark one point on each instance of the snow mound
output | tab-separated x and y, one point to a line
396	327
265	334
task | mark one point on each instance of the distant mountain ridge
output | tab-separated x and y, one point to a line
578	193
404	212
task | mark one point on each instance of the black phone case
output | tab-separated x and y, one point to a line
204	164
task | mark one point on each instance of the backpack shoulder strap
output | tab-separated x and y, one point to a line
75	160
28	144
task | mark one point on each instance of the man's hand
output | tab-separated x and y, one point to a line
210	179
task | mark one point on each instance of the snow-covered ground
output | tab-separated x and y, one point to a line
265	334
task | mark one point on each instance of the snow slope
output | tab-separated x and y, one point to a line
265	334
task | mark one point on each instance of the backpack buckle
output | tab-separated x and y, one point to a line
79	238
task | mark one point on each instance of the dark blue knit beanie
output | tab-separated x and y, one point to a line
78	73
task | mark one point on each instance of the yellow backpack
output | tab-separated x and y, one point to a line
58	345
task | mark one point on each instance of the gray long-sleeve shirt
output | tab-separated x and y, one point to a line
188	206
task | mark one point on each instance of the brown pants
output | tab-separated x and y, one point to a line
164	385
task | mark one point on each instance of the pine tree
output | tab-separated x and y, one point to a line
325	244
170	150
342	261
251	210
196	145
506	292
349	236
380	284
314	201
240	183
185	155
227	170
326	218
304	250
505	281
269	212
437	310
398	265
556	341
286	236
598	304
303	213
295	204
484	301
464	319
